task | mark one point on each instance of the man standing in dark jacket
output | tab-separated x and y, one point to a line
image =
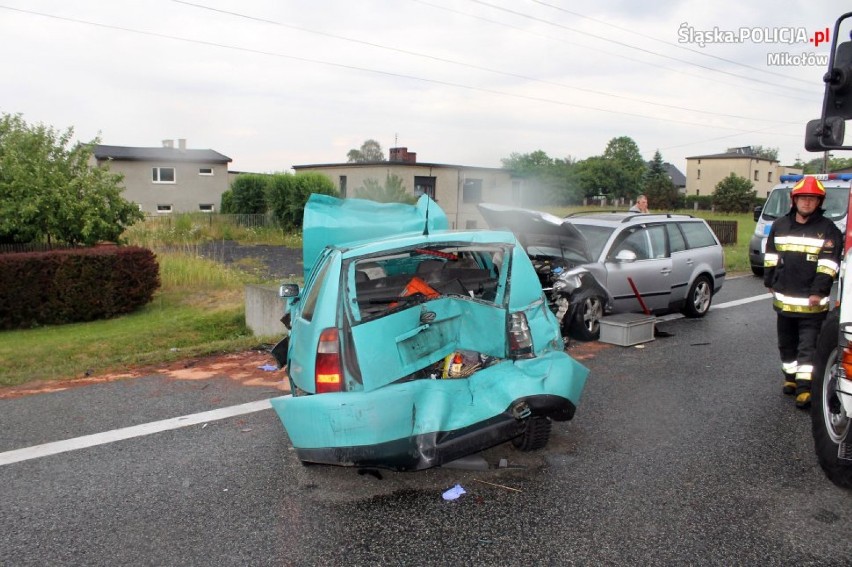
802	258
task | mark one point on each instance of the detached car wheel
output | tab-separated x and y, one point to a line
829	425
535	436
699	297
586	325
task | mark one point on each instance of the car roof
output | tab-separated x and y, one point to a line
614	218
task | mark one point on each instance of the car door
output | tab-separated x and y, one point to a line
650	271
683	262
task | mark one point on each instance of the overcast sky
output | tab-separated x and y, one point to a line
277	83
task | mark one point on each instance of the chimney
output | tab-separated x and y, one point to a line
182	144
168	143
402	155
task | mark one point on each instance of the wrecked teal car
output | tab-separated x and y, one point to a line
411	345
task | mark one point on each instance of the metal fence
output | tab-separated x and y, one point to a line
213	219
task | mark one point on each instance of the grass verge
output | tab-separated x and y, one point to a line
199	310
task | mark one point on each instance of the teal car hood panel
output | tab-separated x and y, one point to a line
329	221
403	410
394	346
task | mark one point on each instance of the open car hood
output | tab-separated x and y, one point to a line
526	222
329	221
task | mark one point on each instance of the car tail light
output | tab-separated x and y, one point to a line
520	339
327	374
846	363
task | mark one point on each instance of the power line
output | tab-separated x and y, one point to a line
672	44
629	46
362	69
774	92
470	65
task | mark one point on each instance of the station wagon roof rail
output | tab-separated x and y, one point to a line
629	216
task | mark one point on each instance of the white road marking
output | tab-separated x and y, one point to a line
742	301
56	447
93	440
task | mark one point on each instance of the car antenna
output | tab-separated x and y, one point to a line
426	226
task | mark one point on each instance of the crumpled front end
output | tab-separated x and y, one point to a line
427	422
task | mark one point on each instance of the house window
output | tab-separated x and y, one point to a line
205	171
472	191
164	209
163	174
424	185
769	176
756	175
699	174
516	191
343	186
470	224
206	208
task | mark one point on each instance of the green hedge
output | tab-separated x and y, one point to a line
68	286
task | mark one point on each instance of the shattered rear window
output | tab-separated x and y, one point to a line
397	280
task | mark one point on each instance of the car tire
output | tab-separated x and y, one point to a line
699	297
757	271
535	435
828	424
586	323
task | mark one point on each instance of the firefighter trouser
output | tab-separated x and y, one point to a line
797	339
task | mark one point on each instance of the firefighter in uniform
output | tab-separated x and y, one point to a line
802	258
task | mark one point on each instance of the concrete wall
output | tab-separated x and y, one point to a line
264	310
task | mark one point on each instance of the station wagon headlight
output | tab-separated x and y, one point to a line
569	281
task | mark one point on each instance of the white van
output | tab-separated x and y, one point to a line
778	204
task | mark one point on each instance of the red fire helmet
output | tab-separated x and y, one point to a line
808	186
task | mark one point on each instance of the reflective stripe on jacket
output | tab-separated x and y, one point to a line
802	259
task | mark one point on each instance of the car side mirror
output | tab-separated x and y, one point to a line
757	210
625	256
288	290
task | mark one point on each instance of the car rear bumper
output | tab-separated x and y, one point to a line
424	423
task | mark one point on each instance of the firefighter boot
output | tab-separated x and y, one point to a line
803	394
789	384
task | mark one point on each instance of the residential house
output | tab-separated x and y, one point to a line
168	179
456	188
704	172
677	177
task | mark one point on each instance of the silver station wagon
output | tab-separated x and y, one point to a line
655	262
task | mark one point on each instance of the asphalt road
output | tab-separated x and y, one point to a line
682	452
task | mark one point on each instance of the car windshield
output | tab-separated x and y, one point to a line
836	200
596	237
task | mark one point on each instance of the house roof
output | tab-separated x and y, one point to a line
678	178
127	153
732	155
399	164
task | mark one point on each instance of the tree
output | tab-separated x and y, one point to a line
734	194
629	167
765	153
247	195
658	186
288	193
393	191
370	151
50	193
818	165
546	180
